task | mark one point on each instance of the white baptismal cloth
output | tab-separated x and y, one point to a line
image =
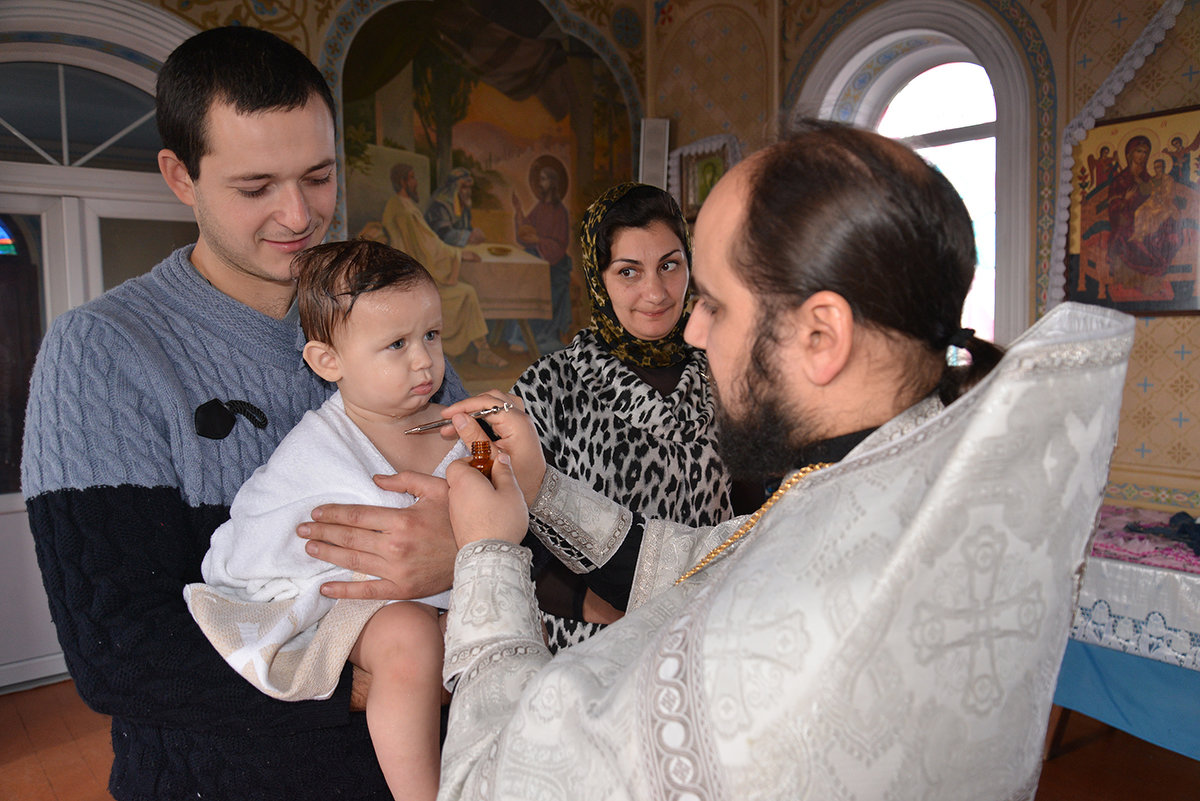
260	605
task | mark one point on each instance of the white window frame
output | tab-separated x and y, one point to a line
69	202
971	35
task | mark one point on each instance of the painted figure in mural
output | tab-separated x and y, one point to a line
407	230
626	406
544	232
1181	164
1102	167
449	210
152	404
1139	254
1159	210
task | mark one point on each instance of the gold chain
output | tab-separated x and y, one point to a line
743	529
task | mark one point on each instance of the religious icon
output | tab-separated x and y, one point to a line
1135	215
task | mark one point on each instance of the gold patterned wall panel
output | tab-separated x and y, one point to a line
711	74
1102	32
296	21
1157	461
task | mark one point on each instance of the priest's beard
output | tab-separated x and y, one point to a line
763	438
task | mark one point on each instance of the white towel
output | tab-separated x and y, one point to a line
261	605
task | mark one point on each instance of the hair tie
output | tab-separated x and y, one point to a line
960	338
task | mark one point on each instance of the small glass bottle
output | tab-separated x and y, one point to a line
481	457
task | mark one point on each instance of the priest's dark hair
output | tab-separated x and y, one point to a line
836	208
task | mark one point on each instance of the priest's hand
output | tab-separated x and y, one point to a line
483	509
517	436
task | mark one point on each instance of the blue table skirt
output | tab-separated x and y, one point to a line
1151	700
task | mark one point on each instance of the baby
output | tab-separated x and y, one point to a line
372	317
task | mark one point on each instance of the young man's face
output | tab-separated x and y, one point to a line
389	352
267	189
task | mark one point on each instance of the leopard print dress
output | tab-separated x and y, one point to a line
601	424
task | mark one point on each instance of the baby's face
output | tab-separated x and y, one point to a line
390	352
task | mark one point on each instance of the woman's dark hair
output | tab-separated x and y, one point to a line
638	208
837	208
330	277
246	68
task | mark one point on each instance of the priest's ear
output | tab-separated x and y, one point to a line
824	330
323	360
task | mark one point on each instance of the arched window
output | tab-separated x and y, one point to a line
944	77
68	116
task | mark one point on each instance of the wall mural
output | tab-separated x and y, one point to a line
475	136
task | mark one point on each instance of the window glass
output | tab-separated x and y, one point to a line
105	122
945	103
20	334
130	247
971	167
7	246
947	96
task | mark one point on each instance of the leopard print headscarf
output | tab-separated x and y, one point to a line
669	350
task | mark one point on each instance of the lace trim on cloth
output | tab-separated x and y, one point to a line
491	586
567	519
1075	131
679	766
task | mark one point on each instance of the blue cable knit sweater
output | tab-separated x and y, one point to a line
123	496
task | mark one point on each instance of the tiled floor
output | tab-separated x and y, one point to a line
53	748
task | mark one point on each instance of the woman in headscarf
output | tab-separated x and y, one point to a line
626	405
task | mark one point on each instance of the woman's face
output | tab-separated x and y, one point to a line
646	279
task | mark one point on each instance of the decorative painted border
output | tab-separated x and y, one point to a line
846	107
1167	496
353	14
1037	55
87	43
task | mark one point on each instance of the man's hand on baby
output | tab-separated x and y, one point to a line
482	509
411	550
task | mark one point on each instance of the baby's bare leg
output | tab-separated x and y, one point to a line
401	647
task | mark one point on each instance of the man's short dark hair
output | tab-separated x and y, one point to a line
330	277
247	68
